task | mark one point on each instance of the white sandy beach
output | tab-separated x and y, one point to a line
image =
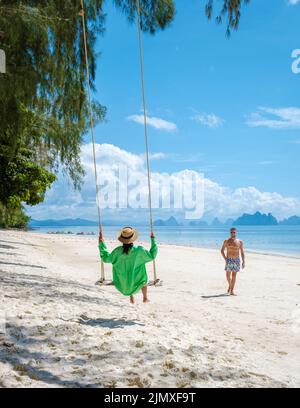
60	330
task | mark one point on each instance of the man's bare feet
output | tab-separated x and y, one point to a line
232	293
132	300
146	300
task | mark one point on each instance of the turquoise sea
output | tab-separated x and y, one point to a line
284	240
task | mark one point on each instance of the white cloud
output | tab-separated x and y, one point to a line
293	2
157	123
281	118
220	201
107	154
157	156
208	119
227	202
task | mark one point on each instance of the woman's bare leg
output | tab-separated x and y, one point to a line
131	299
145	296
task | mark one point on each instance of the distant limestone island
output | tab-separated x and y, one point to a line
170	222
265	219
246	219
65	223
68	222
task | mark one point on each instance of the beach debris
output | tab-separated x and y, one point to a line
8	344
89	233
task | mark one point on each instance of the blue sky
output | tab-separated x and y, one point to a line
227	108
192	68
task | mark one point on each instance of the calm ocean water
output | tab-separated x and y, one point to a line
283	240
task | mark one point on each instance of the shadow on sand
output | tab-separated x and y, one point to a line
216	296
50	289
20	264
16	356
17	243
6	246
10	253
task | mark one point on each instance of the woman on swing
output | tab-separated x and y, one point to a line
129	270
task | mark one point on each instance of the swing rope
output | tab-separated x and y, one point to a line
138	5
82	13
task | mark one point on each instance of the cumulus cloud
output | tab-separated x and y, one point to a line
219	201
156	123
208	119
226	202
155	156
281	118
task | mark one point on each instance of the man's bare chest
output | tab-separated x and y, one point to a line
233	245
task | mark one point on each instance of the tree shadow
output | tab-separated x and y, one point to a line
50	288
47	279
10	253
7	246
14	350
21	354
54	369
20	264
19	243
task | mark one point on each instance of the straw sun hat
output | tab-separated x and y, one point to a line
128	235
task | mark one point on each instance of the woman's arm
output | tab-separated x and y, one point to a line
105	255
148	256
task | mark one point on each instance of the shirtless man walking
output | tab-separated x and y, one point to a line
234	247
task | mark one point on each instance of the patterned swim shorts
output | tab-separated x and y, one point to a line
233	265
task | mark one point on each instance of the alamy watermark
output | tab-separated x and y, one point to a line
121	188
296	63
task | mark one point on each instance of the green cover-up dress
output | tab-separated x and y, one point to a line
129	270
